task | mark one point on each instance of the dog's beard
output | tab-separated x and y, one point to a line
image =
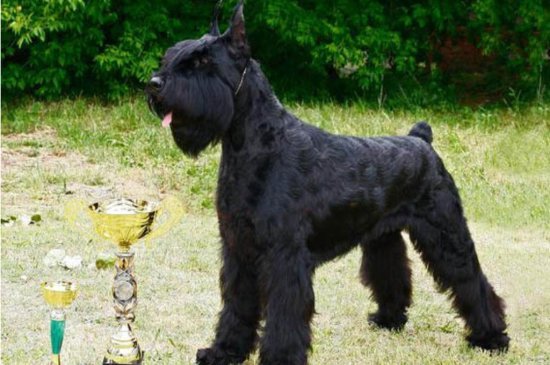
193	136
198	110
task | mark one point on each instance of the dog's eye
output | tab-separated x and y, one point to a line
200	61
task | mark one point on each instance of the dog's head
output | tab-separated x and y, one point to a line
195	89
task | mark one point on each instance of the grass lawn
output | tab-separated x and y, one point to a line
53	152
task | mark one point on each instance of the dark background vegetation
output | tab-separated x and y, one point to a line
421	52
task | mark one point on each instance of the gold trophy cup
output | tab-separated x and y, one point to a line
124	222
59	295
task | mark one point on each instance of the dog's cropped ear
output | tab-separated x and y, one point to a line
237	32
214	29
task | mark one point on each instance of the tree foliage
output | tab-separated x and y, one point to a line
63	47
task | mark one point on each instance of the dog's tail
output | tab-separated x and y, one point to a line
423	131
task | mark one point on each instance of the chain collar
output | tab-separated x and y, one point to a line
242	78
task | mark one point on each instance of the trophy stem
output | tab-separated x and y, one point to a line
124	348
57	332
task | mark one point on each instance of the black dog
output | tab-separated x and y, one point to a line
291	197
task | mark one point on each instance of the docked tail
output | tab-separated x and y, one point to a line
423	131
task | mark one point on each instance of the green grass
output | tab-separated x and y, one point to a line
52	152
499	158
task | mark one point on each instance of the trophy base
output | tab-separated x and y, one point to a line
124	349
107	361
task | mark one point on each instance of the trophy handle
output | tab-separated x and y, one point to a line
174	208
73	211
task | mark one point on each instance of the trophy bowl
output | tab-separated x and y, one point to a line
124	222
59	294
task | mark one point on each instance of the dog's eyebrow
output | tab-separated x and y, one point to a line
190	49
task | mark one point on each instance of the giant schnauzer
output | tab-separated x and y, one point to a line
291	196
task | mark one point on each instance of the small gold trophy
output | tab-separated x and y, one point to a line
59	295
124	222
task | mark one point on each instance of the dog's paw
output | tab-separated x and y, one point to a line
211	356
216	356
494	342
389	322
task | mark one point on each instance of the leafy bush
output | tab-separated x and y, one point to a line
59	47
404	46
321	48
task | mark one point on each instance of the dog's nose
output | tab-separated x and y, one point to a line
155	83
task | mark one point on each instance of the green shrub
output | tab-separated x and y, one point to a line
50	48
319	48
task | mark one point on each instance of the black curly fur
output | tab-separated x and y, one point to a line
291	196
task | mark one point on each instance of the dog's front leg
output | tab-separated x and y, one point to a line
287	279
236	332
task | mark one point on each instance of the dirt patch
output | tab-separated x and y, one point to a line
37	149
27	157
35	170
45	135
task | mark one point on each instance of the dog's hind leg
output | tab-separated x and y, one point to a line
236	332
385	269
439	232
